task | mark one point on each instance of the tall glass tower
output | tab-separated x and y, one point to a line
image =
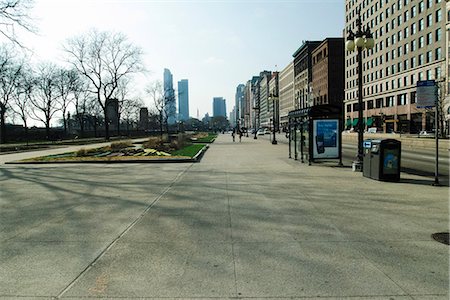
169	97
183	100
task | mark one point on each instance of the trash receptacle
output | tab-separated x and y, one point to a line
383	160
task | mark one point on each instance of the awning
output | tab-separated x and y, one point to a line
355	121
369	121
348	122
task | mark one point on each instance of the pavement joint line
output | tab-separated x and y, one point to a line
231	235
128	228
242	297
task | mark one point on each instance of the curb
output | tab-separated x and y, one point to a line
196	158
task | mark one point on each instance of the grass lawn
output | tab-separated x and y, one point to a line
209	139
189	151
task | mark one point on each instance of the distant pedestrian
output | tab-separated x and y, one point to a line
240	136
233	135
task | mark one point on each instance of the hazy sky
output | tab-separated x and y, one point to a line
214	44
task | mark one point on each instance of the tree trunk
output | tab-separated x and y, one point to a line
2	126
47	130
106	125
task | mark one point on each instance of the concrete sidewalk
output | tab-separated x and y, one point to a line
246	222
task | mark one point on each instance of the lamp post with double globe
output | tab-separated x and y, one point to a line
360	40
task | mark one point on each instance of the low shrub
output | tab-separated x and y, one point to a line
82	152
153	143
116	146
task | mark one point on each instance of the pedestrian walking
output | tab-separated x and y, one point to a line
240	135
233	135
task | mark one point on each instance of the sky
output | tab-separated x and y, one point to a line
216	45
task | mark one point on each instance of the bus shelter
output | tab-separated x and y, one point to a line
315	133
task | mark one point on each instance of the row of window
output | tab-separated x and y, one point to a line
398	83
400	50
401	66
384	102
390	10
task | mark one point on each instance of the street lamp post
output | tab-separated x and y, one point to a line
361	39
274	139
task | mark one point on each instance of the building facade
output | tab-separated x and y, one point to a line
303	74
273	102
169	97
410	46
264	107
328	72
286	94
183	100
219	107
239	106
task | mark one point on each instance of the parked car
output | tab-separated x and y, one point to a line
425	133
372	130
263	131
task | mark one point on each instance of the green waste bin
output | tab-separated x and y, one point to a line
381	159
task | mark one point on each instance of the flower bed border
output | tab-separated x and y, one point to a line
151	159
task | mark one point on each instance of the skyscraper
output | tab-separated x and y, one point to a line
219	107
183	100
169	97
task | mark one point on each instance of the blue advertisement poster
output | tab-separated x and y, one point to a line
326	138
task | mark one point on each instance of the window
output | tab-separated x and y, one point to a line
438	35
389	101
429	75
379	103
429	56
438	16
413	45
399	35
393	39
412	97
413	62
421	24
438	54
437	73
429	20
413	28
401	99
406	32
399	51
406	16
405	64
429	3
399	20
406	48
413	81
429	38
413	11
421	42
421	7
420	76
420	59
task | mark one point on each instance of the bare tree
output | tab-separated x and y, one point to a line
122	95
82	100
22	96
10	74
131	111
65	85
156	93
104	58
45	96
14	13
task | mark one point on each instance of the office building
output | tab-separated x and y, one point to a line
169	97
219	107
183	100
410	46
